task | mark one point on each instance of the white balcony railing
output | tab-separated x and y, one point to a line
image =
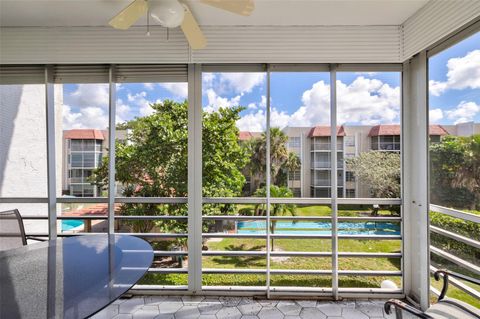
463	264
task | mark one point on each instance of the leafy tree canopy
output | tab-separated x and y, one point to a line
281	160
152	161
455	171
380	171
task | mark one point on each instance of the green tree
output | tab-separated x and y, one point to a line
281	160
455	172
380	171
152	162
276	209
468	175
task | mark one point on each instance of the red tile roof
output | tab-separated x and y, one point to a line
244	135
394	129
319	131
437	130
84	134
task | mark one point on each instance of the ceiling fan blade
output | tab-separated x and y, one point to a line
192	31
242	7
129	15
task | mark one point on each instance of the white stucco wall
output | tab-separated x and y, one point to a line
23	153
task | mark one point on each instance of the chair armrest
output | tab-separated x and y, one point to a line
403	306
36	238
446	274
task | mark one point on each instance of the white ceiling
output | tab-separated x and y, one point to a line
267	12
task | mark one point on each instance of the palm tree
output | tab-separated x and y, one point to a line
276	209
280	157
468	174
278	151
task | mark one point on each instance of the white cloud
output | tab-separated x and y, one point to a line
88	117
256	122
95	95
207	79
149	86
364	101
435	115
463	73
436	88
91	102
366	73
464	112
252	122
241	83
215	101
87	107
179	90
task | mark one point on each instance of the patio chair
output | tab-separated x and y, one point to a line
12	231
445	308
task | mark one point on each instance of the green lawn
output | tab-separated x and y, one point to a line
299	263
305	263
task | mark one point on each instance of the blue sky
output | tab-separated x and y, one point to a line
461	79
298	99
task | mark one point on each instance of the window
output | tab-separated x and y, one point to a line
294	175
297	192
294	142
350	193
369	112
454	120
349	141
349	176
76	145
88	160
435	139
77	160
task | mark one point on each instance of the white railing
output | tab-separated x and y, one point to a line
359	292
473	268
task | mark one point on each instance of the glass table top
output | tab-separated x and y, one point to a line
70	278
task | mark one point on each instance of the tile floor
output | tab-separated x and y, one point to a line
168	307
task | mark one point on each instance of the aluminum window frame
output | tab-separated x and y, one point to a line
195	199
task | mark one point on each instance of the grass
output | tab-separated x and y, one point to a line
454	292
305	263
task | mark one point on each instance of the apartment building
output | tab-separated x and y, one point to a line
313	147
83	150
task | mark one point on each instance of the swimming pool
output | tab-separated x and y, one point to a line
321	228
70	224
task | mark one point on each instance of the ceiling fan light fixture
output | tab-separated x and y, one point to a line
168	13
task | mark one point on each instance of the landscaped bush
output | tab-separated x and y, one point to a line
461	227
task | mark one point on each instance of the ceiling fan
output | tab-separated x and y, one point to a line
173	13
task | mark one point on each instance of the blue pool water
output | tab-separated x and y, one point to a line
71	224
321	228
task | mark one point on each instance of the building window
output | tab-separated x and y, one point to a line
320	192
76	145
77	160
349	141
297	191
294	142
434	138
349	177
294	175
386	143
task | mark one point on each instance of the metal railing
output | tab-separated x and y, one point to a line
449	256
279	290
